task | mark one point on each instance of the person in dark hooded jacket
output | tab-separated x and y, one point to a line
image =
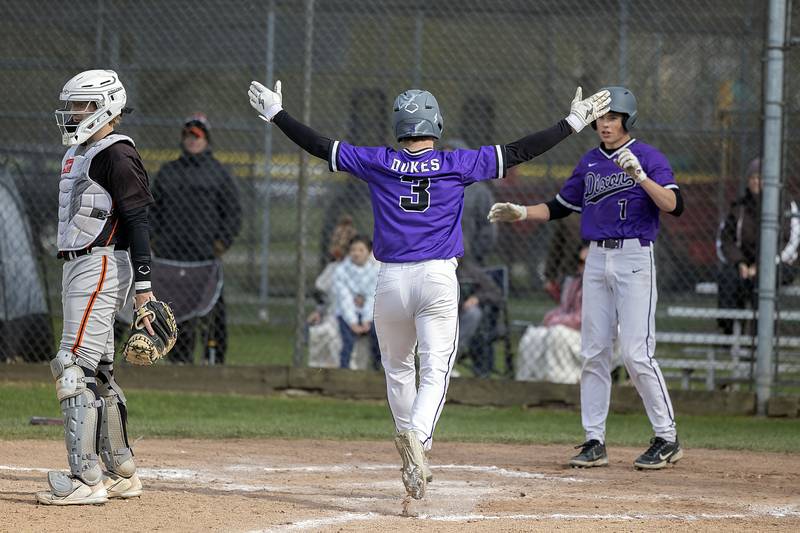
737	247
198	214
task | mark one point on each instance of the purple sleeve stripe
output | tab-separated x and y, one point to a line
334	156
567	204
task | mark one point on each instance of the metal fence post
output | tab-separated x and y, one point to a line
263	290
770	208
302	196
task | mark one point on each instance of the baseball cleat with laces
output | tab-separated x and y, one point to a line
593	453
659	454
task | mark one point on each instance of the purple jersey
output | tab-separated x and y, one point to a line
611	204
417	197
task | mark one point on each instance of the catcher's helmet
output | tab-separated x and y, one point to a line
99	86
622	101
416	114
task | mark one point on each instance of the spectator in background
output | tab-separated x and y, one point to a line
737	247
479	308
479	234
552	352
196	217
324	339
354	283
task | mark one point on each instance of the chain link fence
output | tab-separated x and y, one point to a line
500	70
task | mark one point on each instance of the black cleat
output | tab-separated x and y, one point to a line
659	454
593	453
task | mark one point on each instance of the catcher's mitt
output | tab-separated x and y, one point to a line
143	348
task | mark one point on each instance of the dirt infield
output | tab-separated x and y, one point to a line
280	485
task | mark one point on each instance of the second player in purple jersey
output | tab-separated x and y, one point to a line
619	188
418	197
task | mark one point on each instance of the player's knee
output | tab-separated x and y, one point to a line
70	377
636	366
596	351
634	348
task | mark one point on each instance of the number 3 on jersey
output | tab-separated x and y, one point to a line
420	199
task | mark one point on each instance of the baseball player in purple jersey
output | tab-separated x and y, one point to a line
619	188
417	196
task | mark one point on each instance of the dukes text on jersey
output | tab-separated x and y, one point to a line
413	167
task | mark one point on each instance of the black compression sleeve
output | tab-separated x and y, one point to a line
537	143
678	204
136	224
303	136
557	209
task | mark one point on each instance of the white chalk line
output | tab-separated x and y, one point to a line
343	518
316	523
332	469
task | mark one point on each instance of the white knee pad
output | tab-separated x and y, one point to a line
79	408
114	448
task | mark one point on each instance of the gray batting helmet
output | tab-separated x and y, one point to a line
416	114
622	101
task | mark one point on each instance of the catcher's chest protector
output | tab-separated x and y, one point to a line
83	205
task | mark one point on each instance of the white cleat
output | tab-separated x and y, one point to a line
121	487
414	468
68	490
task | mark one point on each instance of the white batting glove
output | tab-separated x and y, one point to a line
584	112
507	212
266	102
631	165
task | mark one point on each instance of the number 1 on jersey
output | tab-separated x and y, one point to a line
623	209
420	199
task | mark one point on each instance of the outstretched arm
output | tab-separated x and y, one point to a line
582	112
269	104
508	212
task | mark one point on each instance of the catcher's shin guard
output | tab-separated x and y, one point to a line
79	404
114	448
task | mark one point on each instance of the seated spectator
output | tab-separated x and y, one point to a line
737	248
552	351
354	283
479	308
324	340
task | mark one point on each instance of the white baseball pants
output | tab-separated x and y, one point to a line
619	289
416	305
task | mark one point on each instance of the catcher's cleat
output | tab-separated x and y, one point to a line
69	490
413	470
121	487
593	453
659	454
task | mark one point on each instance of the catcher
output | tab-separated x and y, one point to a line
103	238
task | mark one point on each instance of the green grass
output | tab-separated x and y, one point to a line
159	414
